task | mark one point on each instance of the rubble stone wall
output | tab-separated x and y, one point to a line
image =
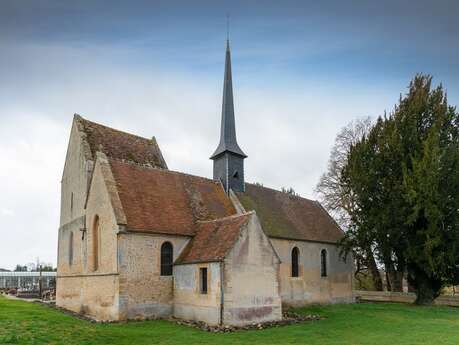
86	288
310	286
144	293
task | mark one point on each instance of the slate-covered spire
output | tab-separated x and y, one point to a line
228	129
228	157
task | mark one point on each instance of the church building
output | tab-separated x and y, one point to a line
137	240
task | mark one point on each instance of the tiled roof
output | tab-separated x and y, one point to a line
120	145
213	240
168	202
286	216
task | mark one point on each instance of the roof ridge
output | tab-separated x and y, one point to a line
227	217
81	118
279	191
149	167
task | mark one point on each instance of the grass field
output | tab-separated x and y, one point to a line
394	324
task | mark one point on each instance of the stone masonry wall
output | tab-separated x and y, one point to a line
84	289
93	295
310	287
189	303
251	282
144	293
73	196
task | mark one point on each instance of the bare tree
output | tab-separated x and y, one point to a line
338	199
333	194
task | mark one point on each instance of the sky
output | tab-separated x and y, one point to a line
301	71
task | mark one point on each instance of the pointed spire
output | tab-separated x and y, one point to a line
228	128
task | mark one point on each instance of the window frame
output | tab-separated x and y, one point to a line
166	268
295	262
323	263
95	243
203	280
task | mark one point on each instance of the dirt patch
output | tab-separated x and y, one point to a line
288	318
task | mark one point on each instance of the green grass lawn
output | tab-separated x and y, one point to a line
394	324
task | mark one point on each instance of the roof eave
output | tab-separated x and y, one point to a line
220	151
303	240
197	262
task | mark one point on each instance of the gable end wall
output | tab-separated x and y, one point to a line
251	281
80	287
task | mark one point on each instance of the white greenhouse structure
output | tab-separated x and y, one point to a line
27	280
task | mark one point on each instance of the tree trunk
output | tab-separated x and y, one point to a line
389	266
394	278
397	281
427	288
371	264
388	280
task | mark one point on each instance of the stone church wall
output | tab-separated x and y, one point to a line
144	293
83	286
251	282
92	295
73	196
310	287
99	206
189	302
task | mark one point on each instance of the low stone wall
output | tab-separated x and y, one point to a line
401	297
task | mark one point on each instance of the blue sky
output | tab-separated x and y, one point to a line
301	71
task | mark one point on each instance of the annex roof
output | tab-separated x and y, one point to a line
288	216
213	240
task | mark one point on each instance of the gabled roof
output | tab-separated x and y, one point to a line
213	239
291	217
167	202
120	145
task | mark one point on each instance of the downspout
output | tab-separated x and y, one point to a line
222	290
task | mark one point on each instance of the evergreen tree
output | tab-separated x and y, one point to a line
404	176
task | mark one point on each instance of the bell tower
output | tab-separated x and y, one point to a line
228	157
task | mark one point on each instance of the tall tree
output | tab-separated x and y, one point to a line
404	176
431	189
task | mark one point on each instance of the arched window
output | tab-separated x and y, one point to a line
295	257
95	243
167	255
71	248
323	263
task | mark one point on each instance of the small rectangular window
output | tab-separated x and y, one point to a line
323	263
203	280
